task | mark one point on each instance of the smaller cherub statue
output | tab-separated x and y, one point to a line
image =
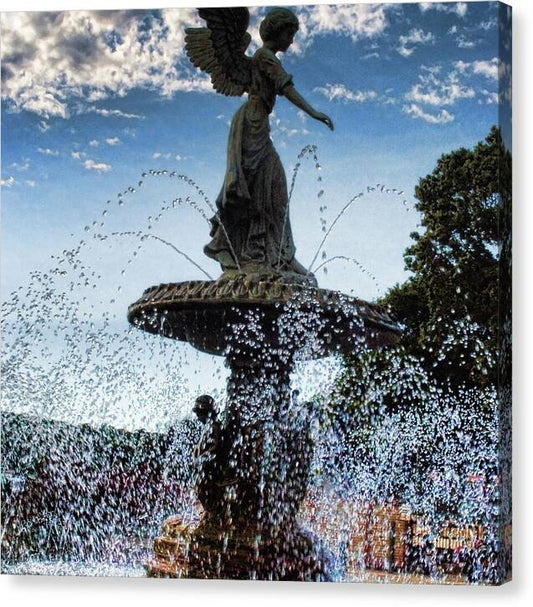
209	455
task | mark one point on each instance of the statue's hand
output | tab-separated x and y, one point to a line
325	119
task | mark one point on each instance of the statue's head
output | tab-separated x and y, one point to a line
279	26
204	407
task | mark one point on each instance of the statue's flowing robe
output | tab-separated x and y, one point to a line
253	203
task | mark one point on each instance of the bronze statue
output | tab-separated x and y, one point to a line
251	231
209	455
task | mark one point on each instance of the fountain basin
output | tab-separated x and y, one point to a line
204	313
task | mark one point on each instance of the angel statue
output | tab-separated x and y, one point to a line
251	230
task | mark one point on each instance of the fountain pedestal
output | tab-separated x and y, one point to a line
253	493
253	467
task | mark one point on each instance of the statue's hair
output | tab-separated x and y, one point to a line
205	399
205	403
277	20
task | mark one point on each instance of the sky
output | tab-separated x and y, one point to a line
91	101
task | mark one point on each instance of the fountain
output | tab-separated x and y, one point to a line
374	472
265	313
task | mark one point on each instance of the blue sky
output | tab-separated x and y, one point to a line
92	100
403	84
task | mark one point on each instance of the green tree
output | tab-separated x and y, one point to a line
451	305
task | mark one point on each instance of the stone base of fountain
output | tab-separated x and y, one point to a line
208	552
253	465
170	550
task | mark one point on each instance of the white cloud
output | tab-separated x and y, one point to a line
357	21
50	59
43	126
30	183
417	112
97	95
168	156
129	132
282	128
432	69
93	143
20	167
37	99
48	152
494	70
7	183
108	113
112	141
415	37
487	25
100	167
432	89
466	36
343	93
302	116
77	155
490	97
459	8
467	80
491	68
464	42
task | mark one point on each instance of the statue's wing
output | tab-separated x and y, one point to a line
218	49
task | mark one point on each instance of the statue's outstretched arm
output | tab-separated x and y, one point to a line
294	97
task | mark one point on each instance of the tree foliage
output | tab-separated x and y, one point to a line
450	304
